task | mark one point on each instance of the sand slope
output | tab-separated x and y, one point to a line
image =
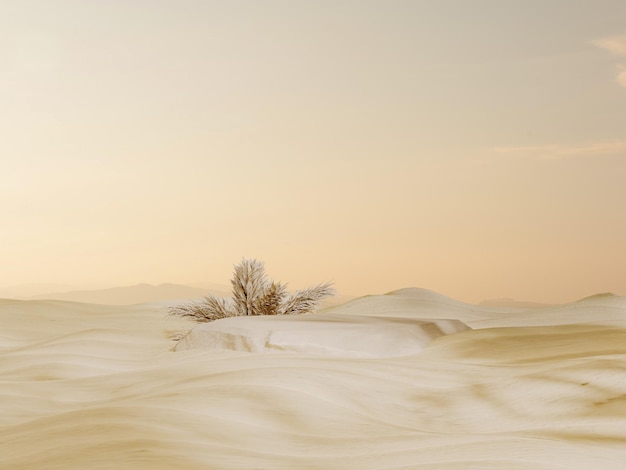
97	387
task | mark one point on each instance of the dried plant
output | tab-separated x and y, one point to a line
208	309
249	284
271	302
254	294
305	300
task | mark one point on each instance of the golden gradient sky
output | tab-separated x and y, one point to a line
474	148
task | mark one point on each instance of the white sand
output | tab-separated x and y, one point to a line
96	387
321	334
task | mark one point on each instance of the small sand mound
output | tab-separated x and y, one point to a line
325	334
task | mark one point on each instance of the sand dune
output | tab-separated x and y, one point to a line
128	295
98	387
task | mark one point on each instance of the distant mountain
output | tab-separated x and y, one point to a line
141	293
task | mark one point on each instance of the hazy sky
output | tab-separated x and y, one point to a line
476	148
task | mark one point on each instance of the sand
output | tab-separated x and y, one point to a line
99	387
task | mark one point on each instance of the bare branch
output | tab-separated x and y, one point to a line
271	303
249	282
208	309
305	301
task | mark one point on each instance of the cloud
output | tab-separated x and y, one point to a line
616	45
621	76
562	152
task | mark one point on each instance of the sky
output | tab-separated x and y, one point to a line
477	149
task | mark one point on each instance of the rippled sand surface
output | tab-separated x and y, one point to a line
97	387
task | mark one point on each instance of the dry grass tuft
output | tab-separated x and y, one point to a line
254	294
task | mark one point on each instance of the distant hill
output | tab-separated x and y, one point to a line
512	303
140	293
603	295
22	291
